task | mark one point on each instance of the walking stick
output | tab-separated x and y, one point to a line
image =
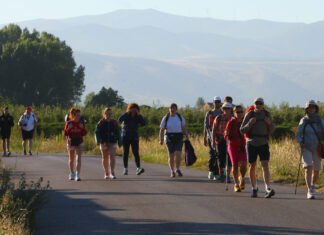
301	155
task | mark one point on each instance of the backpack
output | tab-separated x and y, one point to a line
110	136
250	111
190	156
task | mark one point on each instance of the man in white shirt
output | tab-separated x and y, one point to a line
27	123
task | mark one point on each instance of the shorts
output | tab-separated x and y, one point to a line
27	135
107	146
72	148
5	134
253	152
237	154
174	147
311	158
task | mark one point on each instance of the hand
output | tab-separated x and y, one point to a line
267	121
205	141
302	145
252	121
161	142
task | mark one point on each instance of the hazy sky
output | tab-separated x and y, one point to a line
277	10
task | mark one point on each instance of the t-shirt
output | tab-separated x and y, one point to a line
173	124
28	121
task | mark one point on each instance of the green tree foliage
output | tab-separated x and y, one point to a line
200	103
38	68
108	97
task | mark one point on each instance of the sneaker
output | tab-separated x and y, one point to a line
211	175
179	173
237	188
242	183
125	171
112	176
106	177
30	153
173	174
310	194
71	176
218	179
139	171
269	193
25	153
254	193
9	153
4	154
77	177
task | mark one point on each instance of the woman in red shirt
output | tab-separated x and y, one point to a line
74	131
236	147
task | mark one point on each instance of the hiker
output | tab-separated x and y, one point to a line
257	126
6	123
219	141
130	121
27	123
173	129
209	119
236	148
74	131
309	134
107	135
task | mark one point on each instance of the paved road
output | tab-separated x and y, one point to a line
153	203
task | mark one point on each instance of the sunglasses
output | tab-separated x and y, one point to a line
239	112
258	103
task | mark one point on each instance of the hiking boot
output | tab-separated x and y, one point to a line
125	171
179	173
173	174
310	193
77	177
139	171
242	183
9	153
254	193
269	193
112	176
237	188
71	176
25	152
211	175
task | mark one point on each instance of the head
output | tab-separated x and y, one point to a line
217	101
28	110
107	113
173	109
238	112
133	109
311	107
259	104
75	114
228	99
227	108
6	111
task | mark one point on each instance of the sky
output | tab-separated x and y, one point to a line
307	11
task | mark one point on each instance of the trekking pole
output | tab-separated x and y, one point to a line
226	167
301	155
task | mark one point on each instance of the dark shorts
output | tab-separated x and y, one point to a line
253	152
5	134
174	147
26	135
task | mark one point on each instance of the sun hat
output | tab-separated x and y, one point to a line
227	105
311	102
259	99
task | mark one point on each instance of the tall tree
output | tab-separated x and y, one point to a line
200	103
38	68
108	97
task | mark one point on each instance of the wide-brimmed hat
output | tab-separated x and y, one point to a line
259	99
311	102
227	105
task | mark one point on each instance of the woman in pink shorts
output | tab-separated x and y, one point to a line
236	147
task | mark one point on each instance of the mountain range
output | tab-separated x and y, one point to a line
148	55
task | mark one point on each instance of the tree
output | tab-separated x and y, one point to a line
108	97
38	68
200	103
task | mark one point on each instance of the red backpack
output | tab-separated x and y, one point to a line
250	111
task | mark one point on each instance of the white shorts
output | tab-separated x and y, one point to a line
107	146
71	148
311	158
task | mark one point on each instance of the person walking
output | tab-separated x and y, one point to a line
6	123
208	124
130	121
236	148
258	126
219	141
310	133
74	131
107	135
173	129
27	123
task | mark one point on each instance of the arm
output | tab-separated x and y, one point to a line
183	127
11	122
205	128
67	129
141	120
97	134
21	120
214	135
84	130
270	124
122	118
300	130
120	140
246	124
161	134
228	128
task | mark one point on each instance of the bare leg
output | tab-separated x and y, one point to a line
243	168
71	160
315	176
79	155
30	144
252	174
178	159
266	172
24	145
104	154
112	159
4	145
235	173
171	161
8	144
308	176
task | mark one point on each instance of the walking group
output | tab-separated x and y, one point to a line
235	138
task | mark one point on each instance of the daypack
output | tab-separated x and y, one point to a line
320	148
190	156
250	111
110	136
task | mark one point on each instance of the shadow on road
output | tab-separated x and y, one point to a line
66	214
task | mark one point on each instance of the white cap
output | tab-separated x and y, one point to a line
217	98
309	103
227	105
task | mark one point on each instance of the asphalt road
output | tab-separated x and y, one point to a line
153	203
